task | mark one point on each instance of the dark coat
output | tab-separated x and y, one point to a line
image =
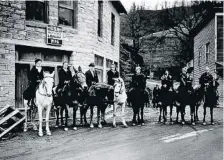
34	76
206	78
90	79
167	80
110	76
64	76
183	79
138	81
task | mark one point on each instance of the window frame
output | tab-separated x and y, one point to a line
74	13
100	19
207	52
45	11
112	29
199	56
99	67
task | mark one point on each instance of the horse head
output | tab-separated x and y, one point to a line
48	83
119	86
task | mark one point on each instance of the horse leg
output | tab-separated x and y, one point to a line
98	117
66	118
142	114
91	116
75	107
40	110
211	112
103	116
182	113
197	106
160	112
114	115
204	123
123	114
164	113
57	117
61	112
47	120
139	119
26	119
171	112
192	107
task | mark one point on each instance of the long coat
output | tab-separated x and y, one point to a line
90	79
167	80
110	76
206	78
64	76
138	81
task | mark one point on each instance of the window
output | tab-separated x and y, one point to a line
99	67
100	16
207	52
199	57
112	28
67	13
37	11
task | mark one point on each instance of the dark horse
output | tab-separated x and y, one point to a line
166	98
61	102
137	98
186	96
210	100
99	95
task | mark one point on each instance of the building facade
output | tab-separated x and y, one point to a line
208	49
79	32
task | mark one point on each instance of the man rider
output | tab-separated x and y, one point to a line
155	95
206	78
65	76
91	75
189	81
138	79
112	73
167	81
35	76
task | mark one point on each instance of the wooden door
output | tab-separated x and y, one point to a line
21	83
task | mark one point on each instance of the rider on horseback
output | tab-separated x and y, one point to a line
111	74
35	76
65	76
138	79
206	78
167	81
189	81
91	75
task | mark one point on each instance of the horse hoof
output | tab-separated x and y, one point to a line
204	123
193	124
133	124
91	126
56	126
25	130
212	123
75	128
183	123
41	134
49	133
171	123
100	126
66	129
114	126
35	128
63	125
125	126
143	124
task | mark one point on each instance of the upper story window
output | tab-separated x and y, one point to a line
37	10
112	28
67	13
199	56
100	18
207	52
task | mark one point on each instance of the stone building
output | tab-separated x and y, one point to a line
208	48
160	51
79	32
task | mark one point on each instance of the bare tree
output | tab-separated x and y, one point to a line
182	20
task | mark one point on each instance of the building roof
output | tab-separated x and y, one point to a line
119	6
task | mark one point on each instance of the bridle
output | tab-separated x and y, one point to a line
43	82
120	91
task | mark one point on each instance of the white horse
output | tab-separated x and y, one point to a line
120	98
43	100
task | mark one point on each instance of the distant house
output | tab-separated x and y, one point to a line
160	52
208	48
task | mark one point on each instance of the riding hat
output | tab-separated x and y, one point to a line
37	60
91	65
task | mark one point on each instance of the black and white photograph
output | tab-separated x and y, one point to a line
111	80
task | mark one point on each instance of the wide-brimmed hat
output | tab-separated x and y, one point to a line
37	60
91	65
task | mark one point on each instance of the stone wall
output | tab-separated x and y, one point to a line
82	41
